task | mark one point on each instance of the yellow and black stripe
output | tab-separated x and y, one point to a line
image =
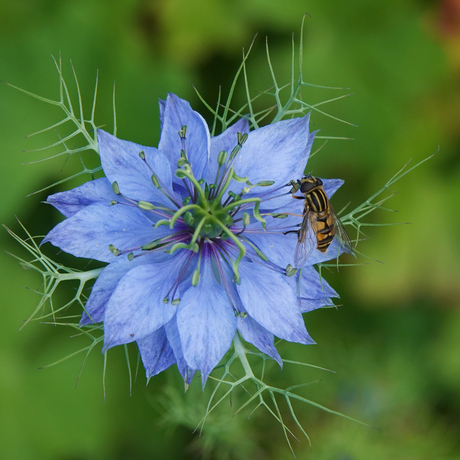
317	202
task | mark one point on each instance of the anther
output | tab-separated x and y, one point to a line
261	254
182	133
290	270
114	250
115	188
145	205
240	314
181	162
148	246
241	138
196	277
265	183
142	155
189	219
222	158
155	181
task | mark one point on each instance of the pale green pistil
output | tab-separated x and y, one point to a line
204	220
206	211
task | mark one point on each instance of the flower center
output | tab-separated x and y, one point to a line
208	221
211	213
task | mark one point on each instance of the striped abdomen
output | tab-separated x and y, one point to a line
317	203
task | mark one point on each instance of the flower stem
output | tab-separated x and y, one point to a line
240	351
82	276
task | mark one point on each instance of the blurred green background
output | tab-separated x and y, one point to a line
395	340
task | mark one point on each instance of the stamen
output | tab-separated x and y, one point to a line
178	281
115	188
241	139
184	156
158	245
134	204
238	204
114	250
158	183
264	195
145	205
221	159
255	258
160	242
223	278
196	273
221	188
187	172
290	270
256	249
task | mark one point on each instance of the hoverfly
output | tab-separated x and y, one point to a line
320	223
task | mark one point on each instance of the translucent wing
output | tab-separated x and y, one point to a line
306	240
341	233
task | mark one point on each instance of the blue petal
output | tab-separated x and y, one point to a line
254	333
172	333
315	291
250	330
271	300
206	323
279	203
225	141
278	247
178	113
70	202
156	352
103	289
313	304
162	106
333	251
312	286
107	282
331	186
121	163
136	307
90	232
277	152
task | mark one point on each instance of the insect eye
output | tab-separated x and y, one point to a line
307	186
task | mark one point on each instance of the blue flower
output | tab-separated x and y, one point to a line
194	240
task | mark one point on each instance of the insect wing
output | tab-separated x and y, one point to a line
341	233
306	241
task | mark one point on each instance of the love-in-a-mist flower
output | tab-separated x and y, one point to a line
196	240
